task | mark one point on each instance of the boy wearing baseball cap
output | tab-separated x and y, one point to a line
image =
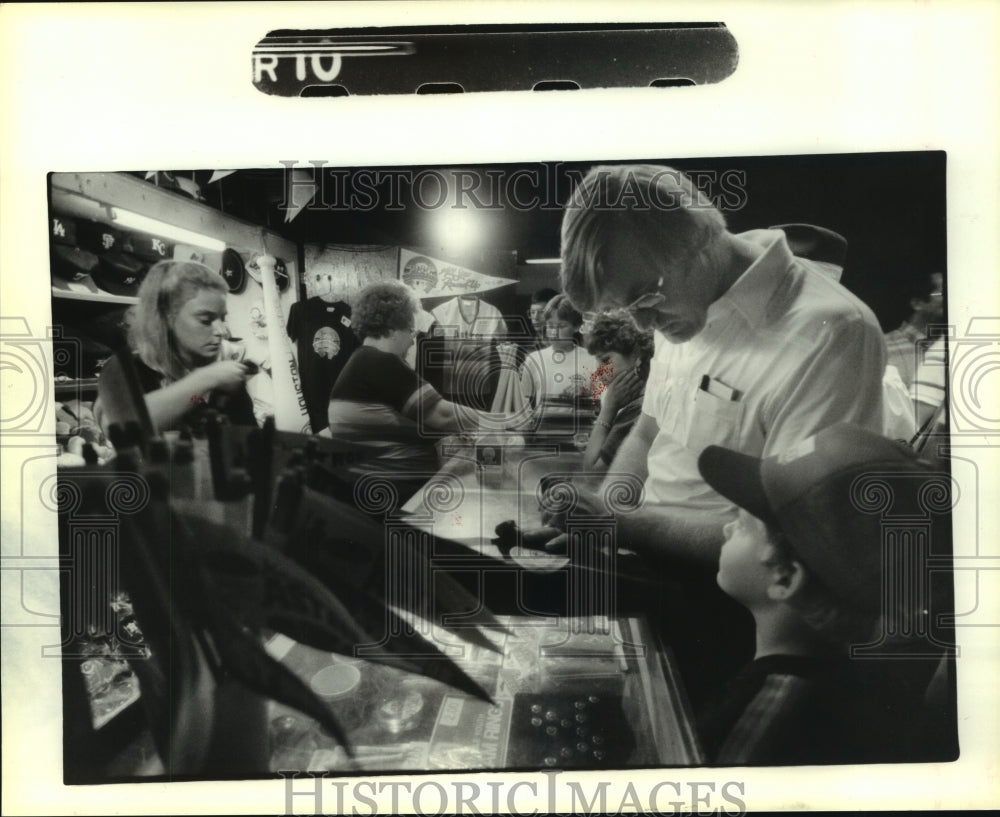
806	557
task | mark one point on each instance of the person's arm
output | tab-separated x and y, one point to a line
923	412
528	380
656	531
625	388
669	532
444	415
630	460
631	457
292	329
928	388
592	453
168	404
839	380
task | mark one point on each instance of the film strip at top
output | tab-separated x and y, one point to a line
465	59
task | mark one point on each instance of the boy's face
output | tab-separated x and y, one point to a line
743	573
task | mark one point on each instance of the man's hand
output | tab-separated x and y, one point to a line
563	498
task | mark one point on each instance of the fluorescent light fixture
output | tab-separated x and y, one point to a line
542	260
145	224
74	204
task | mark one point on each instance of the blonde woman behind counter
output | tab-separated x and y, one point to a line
181	356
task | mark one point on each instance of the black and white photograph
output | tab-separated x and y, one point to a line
744	558
648	475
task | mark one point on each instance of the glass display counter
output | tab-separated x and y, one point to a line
567	693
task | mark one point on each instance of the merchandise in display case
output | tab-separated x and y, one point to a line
567	693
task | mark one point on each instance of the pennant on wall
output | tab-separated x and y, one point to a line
300	191
432	278
220	174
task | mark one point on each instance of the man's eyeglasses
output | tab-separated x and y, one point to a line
647	301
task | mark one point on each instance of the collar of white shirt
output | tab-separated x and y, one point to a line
753	290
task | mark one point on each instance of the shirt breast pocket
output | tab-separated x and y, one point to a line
711	420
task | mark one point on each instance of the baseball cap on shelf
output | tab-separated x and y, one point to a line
833	496
98	238
72	263
108	326
233	271
62	230
119	273
80	355
148	247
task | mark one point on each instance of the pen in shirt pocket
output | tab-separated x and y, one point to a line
715	387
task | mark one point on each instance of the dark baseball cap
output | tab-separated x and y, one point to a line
62	230
834	496
72	263
119	273
97	237
147	247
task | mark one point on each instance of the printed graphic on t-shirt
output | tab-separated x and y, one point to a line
326	343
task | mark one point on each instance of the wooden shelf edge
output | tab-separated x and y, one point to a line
68	387
95	297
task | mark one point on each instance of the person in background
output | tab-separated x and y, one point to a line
181	356
529	338
536	314
623	352
561	370
907	345
381	404
586	329
807	561
928	391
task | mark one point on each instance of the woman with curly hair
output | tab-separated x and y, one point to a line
623	352
381	402
182	358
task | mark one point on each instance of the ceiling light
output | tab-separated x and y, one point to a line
73	204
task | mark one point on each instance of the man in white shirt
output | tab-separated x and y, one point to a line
757	351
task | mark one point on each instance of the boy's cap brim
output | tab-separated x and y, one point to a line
835	496
738	478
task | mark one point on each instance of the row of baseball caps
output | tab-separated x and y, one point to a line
116	261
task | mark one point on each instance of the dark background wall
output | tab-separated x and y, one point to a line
889	206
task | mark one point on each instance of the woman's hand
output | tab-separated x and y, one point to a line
224	375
